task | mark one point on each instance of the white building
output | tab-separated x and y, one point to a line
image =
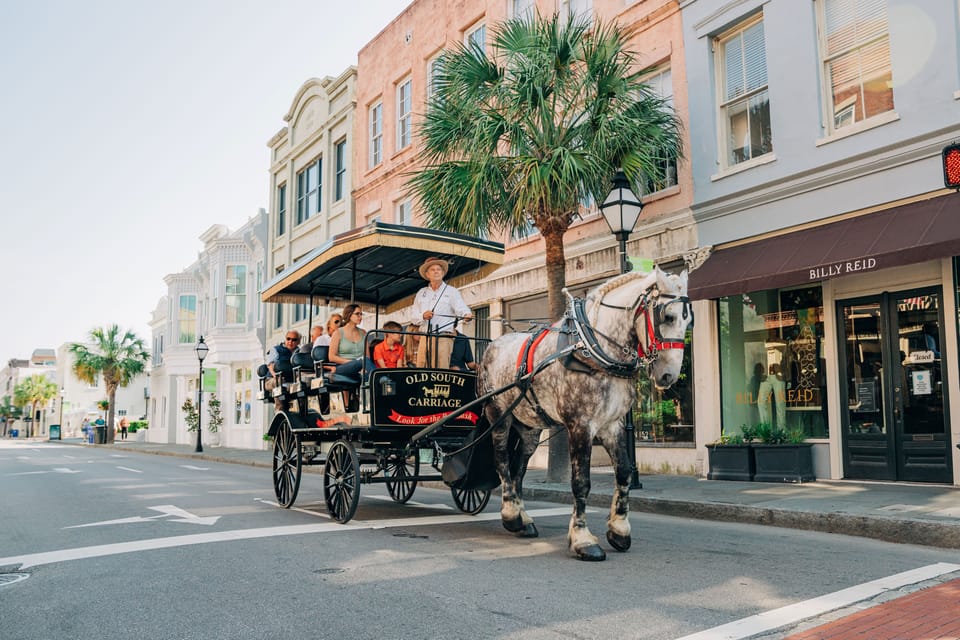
217	298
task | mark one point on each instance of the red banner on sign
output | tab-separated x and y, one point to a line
399	418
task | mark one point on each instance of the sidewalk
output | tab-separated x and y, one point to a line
906	513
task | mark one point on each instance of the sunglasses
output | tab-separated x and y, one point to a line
334	322
289	339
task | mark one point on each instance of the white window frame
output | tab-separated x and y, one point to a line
578	8
404	212
434	65
235	294
523	9
375	126
660	80
306	190
476	34
727	152
845	112
340	176
184	322
404	113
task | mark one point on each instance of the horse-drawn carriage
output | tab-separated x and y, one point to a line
360	429
577	375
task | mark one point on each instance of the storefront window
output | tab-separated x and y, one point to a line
666	415
771	361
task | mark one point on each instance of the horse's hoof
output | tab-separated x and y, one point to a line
515	525
617	541
591	553
529	531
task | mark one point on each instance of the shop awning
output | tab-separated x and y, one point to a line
915	232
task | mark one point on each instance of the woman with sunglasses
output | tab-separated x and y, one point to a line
333	323
346	344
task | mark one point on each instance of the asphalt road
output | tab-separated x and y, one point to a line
124	545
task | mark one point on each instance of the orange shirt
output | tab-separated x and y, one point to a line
390	355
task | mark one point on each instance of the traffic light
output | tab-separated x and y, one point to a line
951	166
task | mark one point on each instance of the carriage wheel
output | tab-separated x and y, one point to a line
341	481
470	501
402	467
287	464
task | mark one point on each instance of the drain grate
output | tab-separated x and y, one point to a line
10	578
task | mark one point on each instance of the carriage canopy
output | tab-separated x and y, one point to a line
377	264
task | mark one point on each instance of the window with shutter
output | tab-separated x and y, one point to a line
855	60
744	100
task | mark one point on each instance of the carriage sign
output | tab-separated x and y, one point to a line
425	397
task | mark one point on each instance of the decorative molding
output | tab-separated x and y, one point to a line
695	259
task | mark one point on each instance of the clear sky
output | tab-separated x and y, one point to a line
128	128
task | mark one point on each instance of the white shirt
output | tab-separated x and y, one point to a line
446	304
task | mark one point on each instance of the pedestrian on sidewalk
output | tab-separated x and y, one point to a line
124	423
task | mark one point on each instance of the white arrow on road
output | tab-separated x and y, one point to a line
178	515
54	470
190	466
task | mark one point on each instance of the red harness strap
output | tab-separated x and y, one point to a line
527	350
654	345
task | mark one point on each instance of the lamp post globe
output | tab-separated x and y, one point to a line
201	350
621	209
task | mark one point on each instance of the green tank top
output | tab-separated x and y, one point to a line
349	349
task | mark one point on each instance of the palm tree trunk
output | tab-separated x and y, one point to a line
111	409
558	452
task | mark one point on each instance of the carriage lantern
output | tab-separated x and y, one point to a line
201	350
621	209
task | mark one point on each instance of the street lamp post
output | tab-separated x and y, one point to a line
621	209
63	394
201	350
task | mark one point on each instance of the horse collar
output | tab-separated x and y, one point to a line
592	353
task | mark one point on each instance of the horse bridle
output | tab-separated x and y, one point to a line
652	305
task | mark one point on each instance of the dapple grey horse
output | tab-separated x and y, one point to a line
581	375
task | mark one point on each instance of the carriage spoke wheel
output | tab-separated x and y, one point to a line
341	481
400	470
287	463
470	501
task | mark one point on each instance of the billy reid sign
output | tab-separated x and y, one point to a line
842	268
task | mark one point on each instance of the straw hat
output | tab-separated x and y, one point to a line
429	262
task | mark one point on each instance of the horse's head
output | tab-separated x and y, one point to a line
662	325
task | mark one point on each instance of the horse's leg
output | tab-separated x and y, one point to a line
522	445
511	505
618	524
583	543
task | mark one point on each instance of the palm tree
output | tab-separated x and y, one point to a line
115	356
523	137
34	391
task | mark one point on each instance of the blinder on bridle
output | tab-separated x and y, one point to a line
666	308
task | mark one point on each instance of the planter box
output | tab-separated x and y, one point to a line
784	462
731	462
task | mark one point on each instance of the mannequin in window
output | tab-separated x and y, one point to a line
773	390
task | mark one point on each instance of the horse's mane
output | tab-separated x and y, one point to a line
613	283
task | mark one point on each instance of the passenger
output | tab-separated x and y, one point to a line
346	344
278	361
461	358
436	308
390	354
333	323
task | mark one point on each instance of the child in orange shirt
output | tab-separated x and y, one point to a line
390	354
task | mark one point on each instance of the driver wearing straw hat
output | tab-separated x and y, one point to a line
436	308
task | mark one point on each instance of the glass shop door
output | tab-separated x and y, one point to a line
892	369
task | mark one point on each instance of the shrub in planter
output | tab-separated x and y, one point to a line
782	456
731	457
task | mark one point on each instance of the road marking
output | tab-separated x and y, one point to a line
797	612
190	466
54	470
179	515
81	553
414	503
130	470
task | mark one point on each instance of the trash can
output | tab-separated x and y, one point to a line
14	433
55	432
101	435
